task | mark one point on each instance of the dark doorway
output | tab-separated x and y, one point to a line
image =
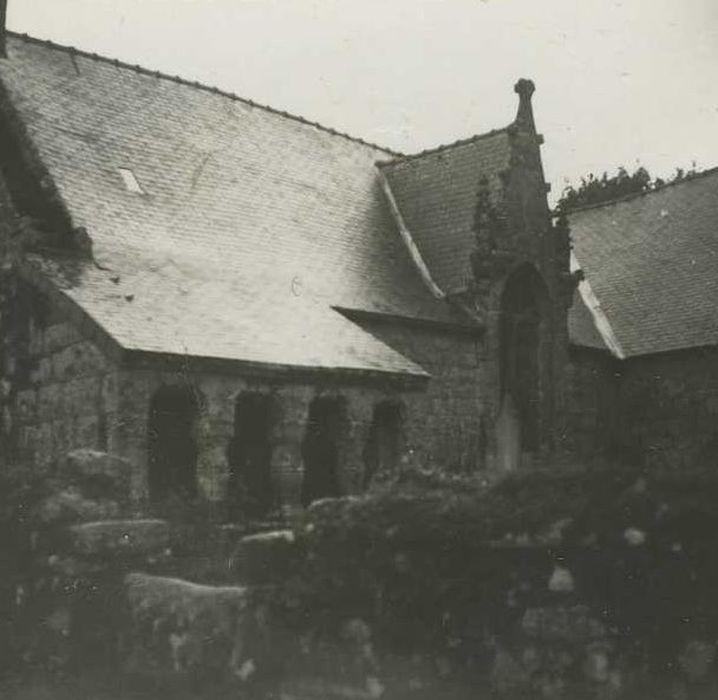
523	336
321	449
385	442
251	490
172	445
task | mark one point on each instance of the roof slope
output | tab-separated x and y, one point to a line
253	223
436	194
652	261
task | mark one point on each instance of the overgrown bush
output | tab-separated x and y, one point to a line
594	190
448	566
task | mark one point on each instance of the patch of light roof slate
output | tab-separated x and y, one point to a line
130	181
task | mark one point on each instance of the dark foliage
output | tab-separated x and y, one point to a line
445	564
597	190
18	495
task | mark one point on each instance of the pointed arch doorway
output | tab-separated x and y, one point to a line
524	361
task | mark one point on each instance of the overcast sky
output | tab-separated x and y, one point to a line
618	82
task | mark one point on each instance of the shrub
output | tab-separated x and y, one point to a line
435	562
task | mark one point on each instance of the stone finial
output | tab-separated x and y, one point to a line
525	88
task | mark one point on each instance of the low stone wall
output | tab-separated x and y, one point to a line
82	536
97	592
567	585
185	627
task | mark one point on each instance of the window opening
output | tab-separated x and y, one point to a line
321	449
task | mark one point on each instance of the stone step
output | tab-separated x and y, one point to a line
265	558
98	474
119	537
321	689
179	626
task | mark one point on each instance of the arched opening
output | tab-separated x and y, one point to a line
251	490
321	448
172	444
385	442
524	339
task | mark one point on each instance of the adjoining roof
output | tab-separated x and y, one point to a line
252	225
436	195
652	261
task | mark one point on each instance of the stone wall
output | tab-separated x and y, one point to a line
669	408
448	423
60	388
592	407
442	420
75	541
217	394
63	391
564	584
601	592
658	410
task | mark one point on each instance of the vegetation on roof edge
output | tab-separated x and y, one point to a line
594	192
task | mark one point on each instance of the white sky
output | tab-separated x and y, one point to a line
618	82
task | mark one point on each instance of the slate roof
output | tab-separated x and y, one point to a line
436	193
652	261
253	225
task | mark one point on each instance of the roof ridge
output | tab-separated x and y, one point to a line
401	158
201	86
635	195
